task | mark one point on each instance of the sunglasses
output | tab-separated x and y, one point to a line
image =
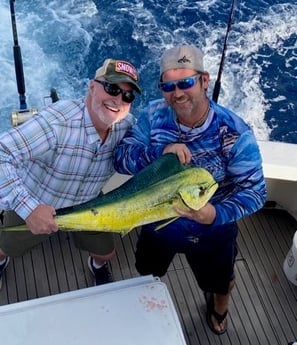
115	90
182	84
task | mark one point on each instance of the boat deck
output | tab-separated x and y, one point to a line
263	309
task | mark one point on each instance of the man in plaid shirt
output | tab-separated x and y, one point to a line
62	157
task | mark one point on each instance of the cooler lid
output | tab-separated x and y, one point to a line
133	311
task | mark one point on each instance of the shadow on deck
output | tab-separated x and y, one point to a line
263	309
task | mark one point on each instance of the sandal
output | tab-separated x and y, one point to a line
210	311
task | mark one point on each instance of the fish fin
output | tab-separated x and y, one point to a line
124	232
161	226
22	227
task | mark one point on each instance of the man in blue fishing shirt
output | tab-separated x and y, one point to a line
62	157
203	134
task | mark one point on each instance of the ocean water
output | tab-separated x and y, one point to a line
63	42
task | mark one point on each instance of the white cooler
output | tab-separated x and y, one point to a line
290	263
129	312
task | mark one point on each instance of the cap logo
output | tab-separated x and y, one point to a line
184	59
126	68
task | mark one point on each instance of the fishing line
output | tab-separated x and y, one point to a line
217	87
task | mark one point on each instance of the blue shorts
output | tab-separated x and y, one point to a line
210	253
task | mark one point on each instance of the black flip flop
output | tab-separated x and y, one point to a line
210	311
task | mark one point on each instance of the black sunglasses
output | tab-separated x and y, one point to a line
115	90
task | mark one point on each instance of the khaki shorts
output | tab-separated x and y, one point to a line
16	243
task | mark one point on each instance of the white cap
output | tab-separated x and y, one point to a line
185	56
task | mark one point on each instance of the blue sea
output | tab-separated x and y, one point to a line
63	42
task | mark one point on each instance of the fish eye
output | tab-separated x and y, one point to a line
202	191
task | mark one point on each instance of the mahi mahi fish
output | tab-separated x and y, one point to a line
149	196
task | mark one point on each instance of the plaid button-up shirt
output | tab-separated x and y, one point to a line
56	158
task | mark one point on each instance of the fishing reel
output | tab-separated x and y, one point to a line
20	116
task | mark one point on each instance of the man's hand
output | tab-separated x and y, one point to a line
41	220
183	153
206	214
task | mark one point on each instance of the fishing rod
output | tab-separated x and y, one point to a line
23	114
217	86
18	60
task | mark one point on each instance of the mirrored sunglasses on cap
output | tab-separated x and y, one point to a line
182	84
115	90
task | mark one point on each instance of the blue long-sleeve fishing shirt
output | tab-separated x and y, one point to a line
224	145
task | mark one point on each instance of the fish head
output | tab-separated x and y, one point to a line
196	195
